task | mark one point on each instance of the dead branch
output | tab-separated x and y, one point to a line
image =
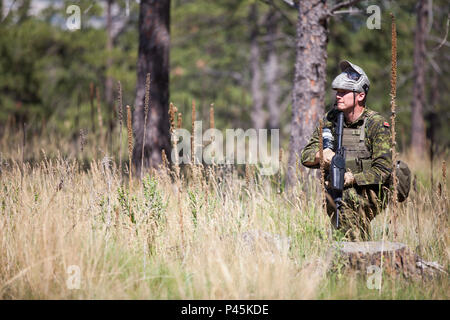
344	5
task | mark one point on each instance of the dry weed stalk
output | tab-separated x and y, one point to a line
279	180
442	217
120	118
165	162
179	120
444	180
106	171
322	167
393	114
130	152
247	175
211	116
172	112
174	138
146	107
193	134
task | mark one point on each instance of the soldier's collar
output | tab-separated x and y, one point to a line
359	120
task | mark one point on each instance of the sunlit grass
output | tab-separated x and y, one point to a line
187	239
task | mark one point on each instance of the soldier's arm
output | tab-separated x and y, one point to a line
381	166
308	156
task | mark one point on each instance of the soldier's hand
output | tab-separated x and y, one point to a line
328	154
349	179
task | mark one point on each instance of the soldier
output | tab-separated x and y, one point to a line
367	142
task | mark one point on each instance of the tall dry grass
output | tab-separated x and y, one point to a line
218	239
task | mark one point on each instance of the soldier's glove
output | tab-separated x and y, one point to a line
349	179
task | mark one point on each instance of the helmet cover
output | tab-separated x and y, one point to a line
348	80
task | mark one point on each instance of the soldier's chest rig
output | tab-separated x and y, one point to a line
358	157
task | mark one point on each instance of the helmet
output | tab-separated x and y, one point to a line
352	78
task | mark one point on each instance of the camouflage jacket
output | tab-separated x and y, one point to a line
377	140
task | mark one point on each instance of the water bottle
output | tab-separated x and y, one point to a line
328	139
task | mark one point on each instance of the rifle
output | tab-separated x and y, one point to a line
337	168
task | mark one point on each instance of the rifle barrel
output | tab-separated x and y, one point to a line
340	126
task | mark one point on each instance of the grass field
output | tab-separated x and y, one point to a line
69	215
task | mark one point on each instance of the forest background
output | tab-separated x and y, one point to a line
46	70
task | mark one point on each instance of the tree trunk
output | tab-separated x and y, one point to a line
109	86
308	96
272	71
153	58
418	100
257	113
109	47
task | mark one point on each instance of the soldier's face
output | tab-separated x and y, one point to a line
344	99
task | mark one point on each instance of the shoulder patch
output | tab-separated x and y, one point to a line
386	124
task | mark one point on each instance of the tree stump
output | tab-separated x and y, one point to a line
398	259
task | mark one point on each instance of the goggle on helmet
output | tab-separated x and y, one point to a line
352	78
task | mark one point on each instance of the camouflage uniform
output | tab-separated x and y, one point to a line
368	157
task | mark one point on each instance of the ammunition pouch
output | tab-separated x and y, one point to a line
357	165
358	156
